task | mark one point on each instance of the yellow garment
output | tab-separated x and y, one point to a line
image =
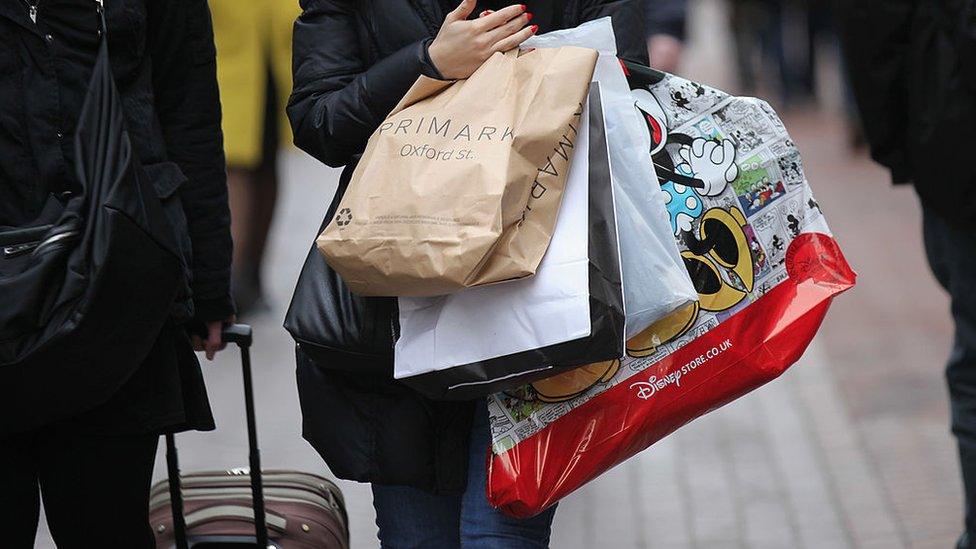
253	40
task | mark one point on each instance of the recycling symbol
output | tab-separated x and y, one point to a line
343	217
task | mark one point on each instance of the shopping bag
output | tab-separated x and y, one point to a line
765	268
655	280
461	184
481	340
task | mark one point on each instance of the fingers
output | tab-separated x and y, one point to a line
728	150
213	343
485	13
508	29
500	17
713	153
516	39
733	171
709	151
461	12
197	342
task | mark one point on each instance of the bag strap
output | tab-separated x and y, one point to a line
240	335
100	8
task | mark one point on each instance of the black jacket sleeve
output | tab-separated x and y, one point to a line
876	37
628	27
967	43
338	98
187	103
665	17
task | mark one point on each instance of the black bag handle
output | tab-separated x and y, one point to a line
240	335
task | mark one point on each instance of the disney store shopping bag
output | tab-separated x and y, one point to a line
481	340
764	264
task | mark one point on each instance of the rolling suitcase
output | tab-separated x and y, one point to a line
246	507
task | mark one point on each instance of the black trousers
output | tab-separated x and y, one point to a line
95	489
952	256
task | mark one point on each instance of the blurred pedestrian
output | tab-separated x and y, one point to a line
779	38
254	71
665	23
754	26
913	67
425	459
93	469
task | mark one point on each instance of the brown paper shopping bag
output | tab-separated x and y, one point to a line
461	184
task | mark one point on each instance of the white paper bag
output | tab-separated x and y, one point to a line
656	282
485	322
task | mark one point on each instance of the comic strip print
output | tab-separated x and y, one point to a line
736	197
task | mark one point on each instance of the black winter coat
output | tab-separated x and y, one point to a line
912	64
668	17
353	61
163	61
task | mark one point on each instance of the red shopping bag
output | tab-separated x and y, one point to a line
765	267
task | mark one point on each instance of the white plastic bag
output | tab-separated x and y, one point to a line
481	323
569	314
654	276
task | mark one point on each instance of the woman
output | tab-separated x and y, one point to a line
425	459
254	47
665	23
93	469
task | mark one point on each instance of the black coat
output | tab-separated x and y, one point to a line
912	64
668	17
163	62
353	61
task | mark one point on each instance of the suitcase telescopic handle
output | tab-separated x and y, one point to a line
240	335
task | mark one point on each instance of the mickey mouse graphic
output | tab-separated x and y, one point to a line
716	251
682	97
719	258
575	382
717	254
705	166
793	224
814	205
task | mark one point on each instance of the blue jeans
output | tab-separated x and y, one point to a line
409	518
952	255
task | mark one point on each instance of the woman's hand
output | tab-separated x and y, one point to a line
461	46
214	342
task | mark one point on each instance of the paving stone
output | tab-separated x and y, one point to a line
861	497
663	502
809	494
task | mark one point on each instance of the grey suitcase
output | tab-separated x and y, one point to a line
234	508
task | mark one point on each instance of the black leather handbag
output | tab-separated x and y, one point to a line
337	329
88	285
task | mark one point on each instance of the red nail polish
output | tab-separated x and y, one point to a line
523	7
534	28
528	16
